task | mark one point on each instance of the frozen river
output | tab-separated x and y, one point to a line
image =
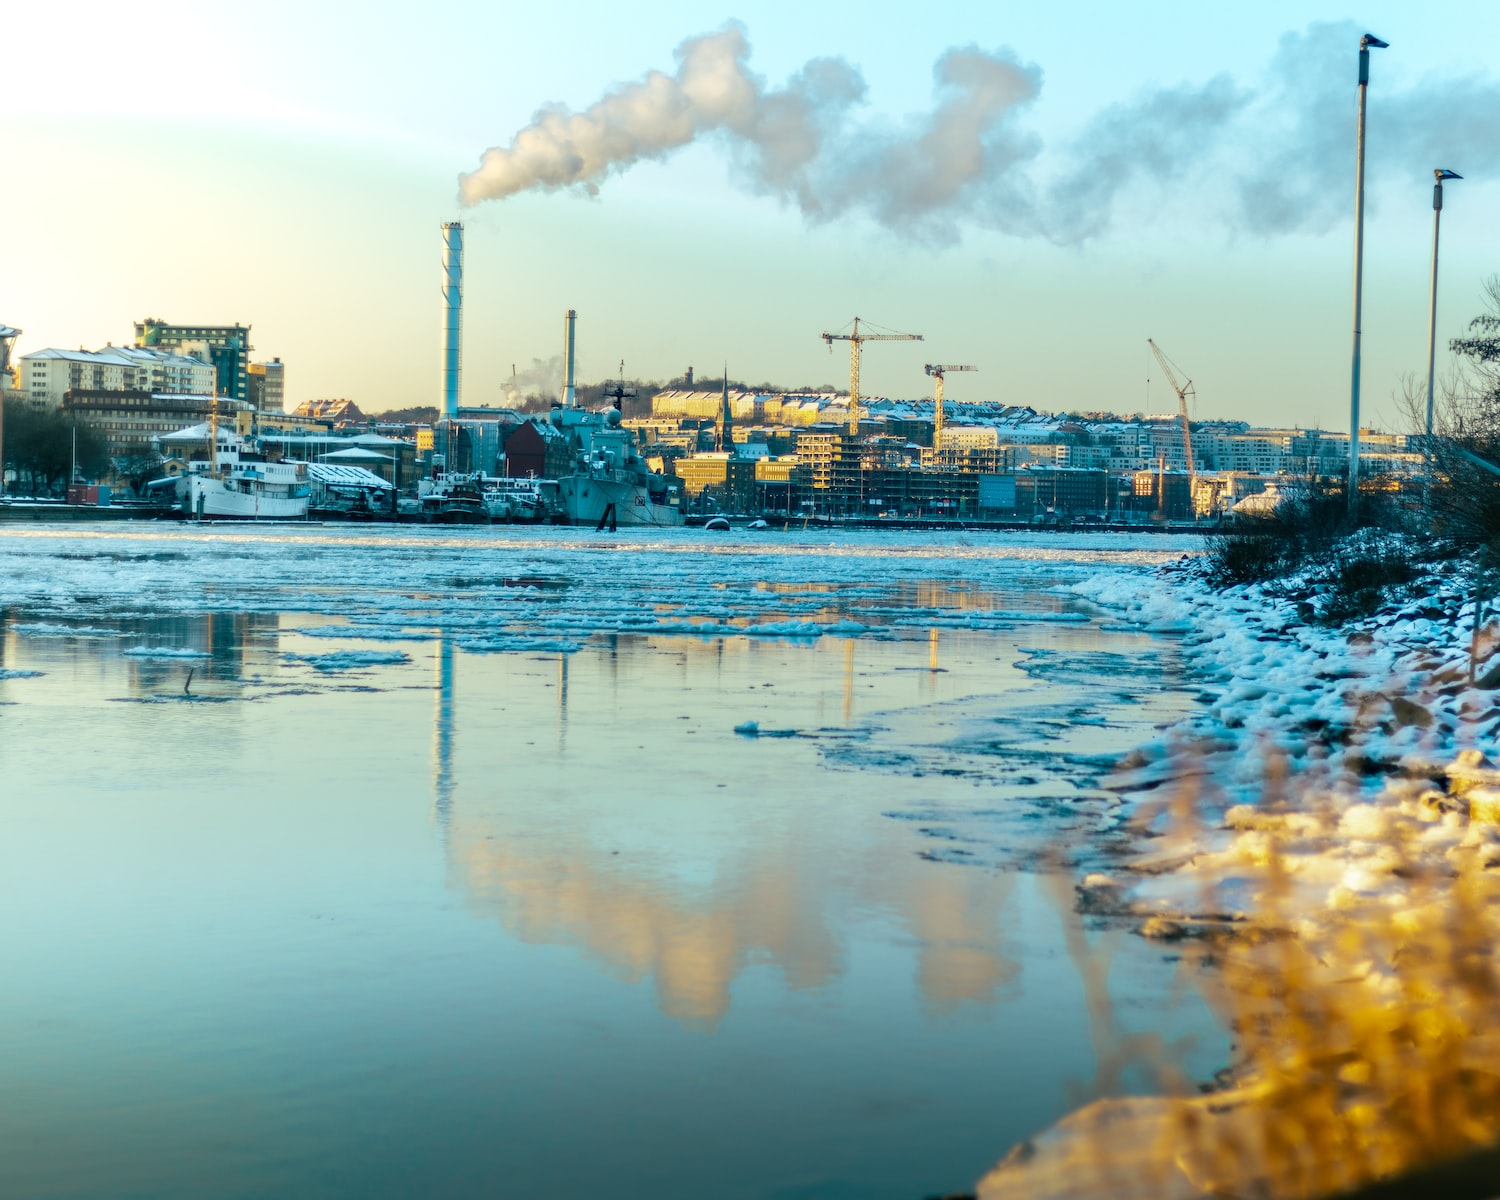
477	862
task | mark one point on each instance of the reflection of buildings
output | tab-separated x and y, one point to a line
442	733
224	637
781	889
759	883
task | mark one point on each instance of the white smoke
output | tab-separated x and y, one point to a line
540	381
1269	158
1299	175
795	142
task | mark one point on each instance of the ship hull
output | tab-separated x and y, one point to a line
213	499
586	499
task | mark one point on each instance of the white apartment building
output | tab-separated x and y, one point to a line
48	375
958	438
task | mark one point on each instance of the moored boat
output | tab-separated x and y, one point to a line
517	499
452	499
233	480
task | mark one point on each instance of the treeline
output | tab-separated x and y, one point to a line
420	414
39	445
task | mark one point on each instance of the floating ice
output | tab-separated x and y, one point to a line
42	629
346	660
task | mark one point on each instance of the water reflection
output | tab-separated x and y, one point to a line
774	906
538	858
442	732
241	971
198	655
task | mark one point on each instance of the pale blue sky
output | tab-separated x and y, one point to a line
288	165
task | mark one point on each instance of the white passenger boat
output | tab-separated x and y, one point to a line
610	479
237	483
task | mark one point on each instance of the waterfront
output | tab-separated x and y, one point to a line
377	862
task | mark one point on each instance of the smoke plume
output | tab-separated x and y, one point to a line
535	388
1272	156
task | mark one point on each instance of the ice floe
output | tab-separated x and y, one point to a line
348	660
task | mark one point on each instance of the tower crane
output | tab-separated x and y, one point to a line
1182	390
937	371
856	339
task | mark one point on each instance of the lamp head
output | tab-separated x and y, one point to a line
1371	42
1443	173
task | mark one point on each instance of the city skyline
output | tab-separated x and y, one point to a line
301	190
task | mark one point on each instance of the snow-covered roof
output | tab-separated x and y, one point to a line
356	454
198	433
342	475
115	356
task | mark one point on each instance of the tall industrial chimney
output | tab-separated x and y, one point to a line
569	396
453	306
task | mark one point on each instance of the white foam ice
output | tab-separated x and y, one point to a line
45	629
346	660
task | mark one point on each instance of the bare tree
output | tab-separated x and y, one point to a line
1465	449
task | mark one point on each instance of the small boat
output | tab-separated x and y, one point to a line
717	524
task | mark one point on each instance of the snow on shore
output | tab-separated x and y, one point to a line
1335	739
1334	788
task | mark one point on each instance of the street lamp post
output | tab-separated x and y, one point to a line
1440	174
1366	43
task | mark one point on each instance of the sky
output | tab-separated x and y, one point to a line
1034	189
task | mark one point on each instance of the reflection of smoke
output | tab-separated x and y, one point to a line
1273	158
540	383
693	950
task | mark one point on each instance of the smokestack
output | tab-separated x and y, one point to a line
453	303
569	396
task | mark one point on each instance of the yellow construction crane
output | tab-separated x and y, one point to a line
856	340
1183	391
937	371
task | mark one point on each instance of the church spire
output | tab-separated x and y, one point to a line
724	434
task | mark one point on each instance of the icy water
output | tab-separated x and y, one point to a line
351	862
